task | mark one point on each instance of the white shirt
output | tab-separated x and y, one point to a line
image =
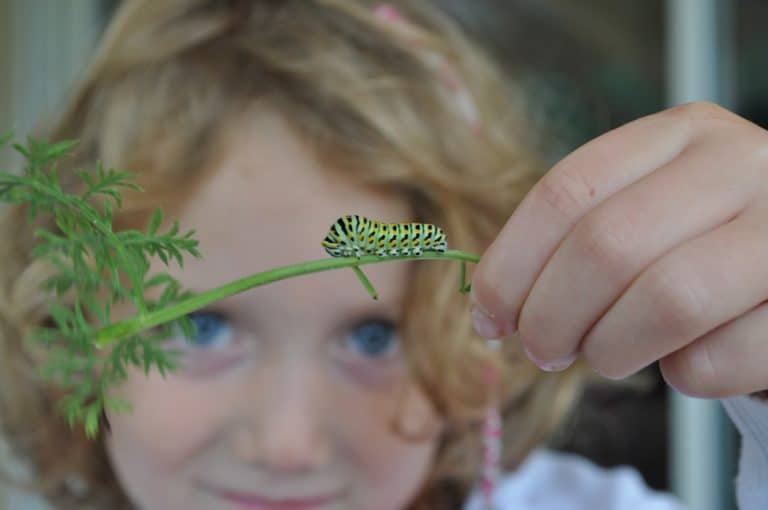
549	480
557	481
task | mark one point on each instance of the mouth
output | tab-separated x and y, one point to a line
251	501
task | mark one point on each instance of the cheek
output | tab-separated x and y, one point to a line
159	439
393	462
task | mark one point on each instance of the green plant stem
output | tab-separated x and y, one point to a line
366	282
464	287
128	327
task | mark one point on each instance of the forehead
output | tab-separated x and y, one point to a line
269	201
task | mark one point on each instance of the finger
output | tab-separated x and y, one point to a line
578	183
619	238
731	360
692	290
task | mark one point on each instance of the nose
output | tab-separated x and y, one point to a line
285	427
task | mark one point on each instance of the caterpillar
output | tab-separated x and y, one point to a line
357	235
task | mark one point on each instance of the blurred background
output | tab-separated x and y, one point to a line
589	66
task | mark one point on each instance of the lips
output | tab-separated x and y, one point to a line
250	501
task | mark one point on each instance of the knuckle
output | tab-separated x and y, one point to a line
565	191
702	116
698	111
751	146
605	240
758	149
680	301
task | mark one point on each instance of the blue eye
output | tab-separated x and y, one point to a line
374	338
209	330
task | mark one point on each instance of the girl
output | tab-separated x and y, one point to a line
258	123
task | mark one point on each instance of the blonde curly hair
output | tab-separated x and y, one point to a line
169	74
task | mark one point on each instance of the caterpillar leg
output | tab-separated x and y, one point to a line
464	287
366	282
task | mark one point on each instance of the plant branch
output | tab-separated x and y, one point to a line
128	327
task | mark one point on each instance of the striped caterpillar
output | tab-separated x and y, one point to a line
356	235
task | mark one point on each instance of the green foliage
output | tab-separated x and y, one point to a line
93	263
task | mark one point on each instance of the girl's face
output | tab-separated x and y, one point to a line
289	393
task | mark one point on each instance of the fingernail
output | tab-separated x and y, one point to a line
484	324
551	366
559	364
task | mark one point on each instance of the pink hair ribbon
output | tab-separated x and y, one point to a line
446	73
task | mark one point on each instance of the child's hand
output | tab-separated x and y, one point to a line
649	243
